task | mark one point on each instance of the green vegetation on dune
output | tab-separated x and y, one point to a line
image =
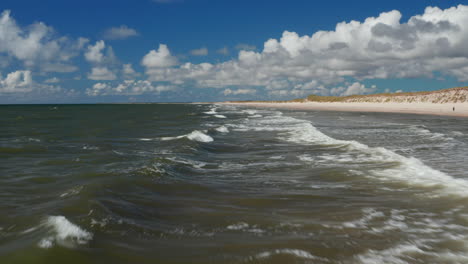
451	95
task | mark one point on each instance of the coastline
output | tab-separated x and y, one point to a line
443	109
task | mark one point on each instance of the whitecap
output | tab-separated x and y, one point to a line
72	191
220	116
199	136
64	233
369	214
211	112
195	135
222	129
145	139
89	147
411	171
238	226
408	170
287	251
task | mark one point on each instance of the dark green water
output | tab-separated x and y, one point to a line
163	183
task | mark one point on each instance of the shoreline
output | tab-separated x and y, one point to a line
445	109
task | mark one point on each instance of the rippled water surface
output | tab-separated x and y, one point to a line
174	183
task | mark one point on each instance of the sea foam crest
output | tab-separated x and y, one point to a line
410	171
287	251
64	233
195	135
222	129
212	111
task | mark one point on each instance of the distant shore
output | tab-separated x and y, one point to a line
444	109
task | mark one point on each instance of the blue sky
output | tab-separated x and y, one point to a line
202	50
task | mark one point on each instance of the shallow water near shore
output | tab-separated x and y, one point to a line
167	183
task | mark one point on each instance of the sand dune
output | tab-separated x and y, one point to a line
442	102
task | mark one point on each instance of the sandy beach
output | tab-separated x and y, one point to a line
445	109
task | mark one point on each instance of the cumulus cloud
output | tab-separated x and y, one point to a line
128	87
36	44
21	82
104	64
17	82
199	52
161	58
121	32
101	74
239	91
353	89
129	72
94	52
381	47
52	80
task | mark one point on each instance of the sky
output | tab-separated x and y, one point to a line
55	51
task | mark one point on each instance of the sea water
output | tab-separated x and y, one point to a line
188	183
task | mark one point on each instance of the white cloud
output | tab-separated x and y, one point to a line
17	82
223	51
379	47
161	58
21	82
128	71
121	32
239	91
52	80
101	74
104	65
128	87
94	52
36	44
358	88
199	52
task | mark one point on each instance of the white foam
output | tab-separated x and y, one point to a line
64	233
369	215
72	191
250	111
390	255
199	136
238	226
426	133
145	139
195	135
286	251
212	111
89	147
220	116
222	129
410	171
193	163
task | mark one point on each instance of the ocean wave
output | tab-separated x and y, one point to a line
222	129
407	170
220	116
212	111
286	251
64	233
426	133
195	135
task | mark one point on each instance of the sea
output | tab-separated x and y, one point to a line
209	183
